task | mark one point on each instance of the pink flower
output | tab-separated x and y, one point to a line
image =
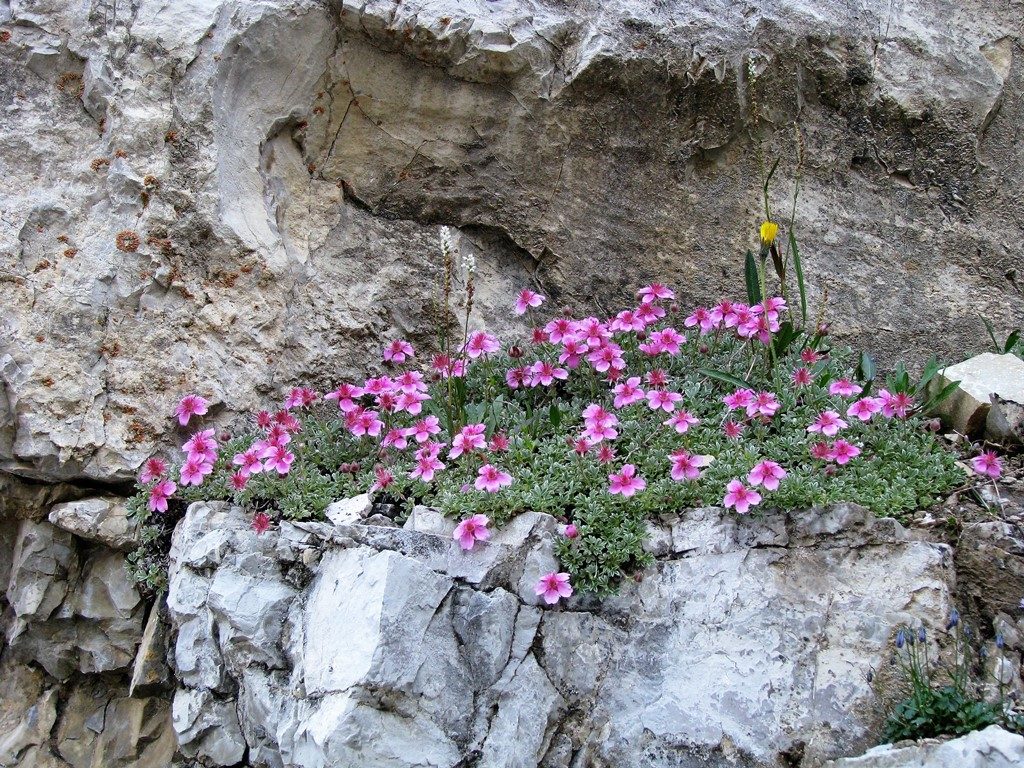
660	398
278	435
499	443
411	381
278	457
573	351
195	470
398	351
152	470
527	299
570	531
238	481
553	586
300	397
383	478
605	454
426	467
517	377
599	424
263	419
802	377
202	445
607	356
772	306
739	496
895	405
287	421
378	386
741	398
987	464
395	437
191	405
362	422
261	523
656	378
686	466
865	408
345	395
471	530
626	482
159	494
581	445
843	388
545	373
470	438
593	332
654	292
628	392
411	402
626	321
682	420
248	462
649	313
539	336
763	404
560	328
828	423
481	343
821	451
491	479
809	356
842	451
702	317
424	428
732	429
768	474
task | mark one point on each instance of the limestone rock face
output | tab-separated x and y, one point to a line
228	196
990	748
749	643
101	519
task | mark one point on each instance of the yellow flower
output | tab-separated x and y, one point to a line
768	232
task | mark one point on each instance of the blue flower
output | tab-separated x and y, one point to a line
901	639
999	641
920	634
954	619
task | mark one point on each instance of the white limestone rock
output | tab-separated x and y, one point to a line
990	748
751	643
989	399
101	519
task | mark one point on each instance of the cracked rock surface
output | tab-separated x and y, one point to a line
230	197
749	641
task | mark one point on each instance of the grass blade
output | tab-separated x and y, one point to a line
798	266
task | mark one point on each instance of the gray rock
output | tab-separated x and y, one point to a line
988	400
990	748
349	511
747	643
102	519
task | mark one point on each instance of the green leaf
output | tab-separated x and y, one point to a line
930	369
866	367
555	416
798	266
753	280
933	402
728	378
1011	341
767	180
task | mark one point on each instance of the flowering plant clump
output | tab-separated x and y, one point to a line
602	422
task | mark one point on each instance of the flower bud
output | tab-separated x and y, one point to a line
1000	642
570	531
515	352
954	619
901	639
